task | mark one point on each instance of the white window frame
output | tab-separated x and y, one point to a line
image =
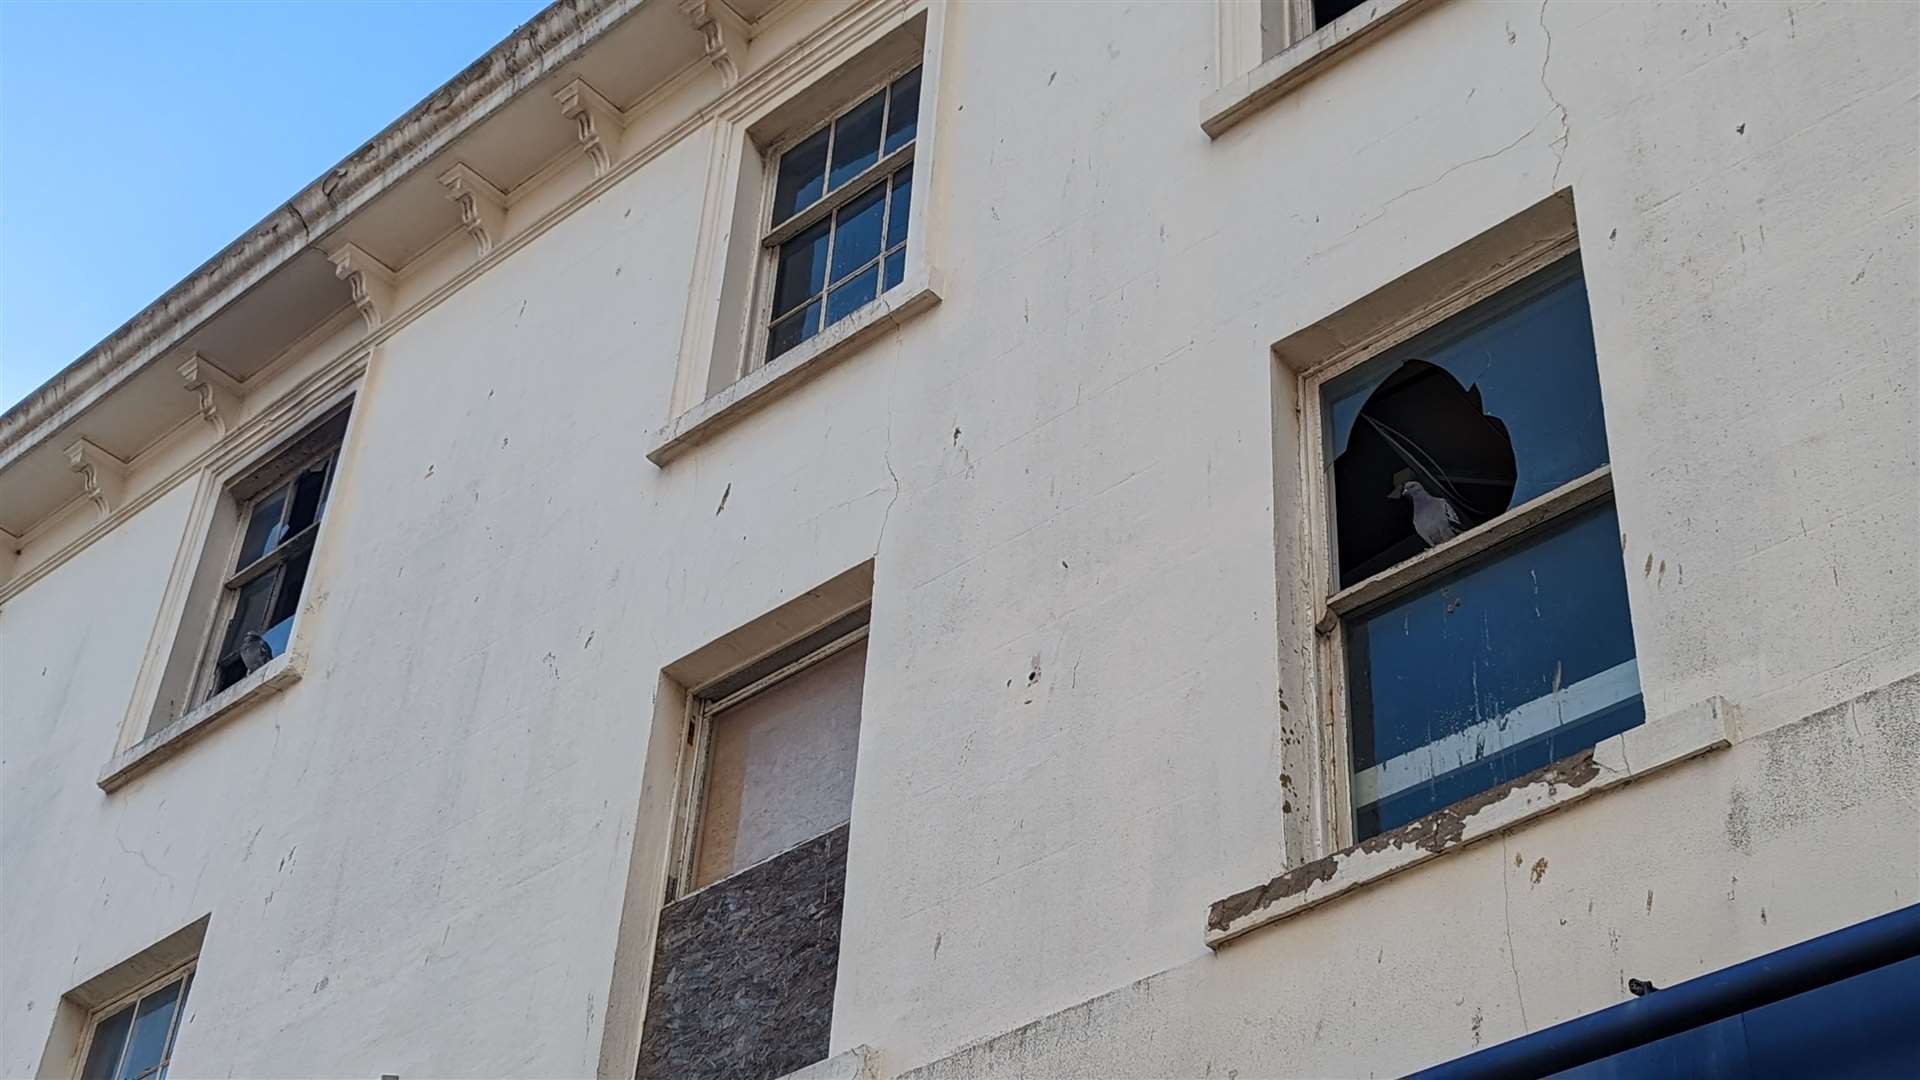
1330	604
179	972
772	234
702	710
232	581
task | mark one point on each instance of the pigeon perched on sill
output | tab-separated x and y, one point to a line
1434	518
254	651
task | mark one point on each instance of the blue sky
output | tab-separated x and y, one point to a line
137	139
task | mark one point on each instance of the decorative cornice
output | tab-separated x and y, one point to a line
103	477
368	279
549	40
220	393
597	123
726	35
483	207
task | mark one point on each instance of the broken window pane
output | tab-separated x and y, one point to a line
308	491
1520	658
1325	11
1490	409
263	529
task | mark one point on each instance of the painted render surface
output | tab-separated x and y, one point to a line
1077	480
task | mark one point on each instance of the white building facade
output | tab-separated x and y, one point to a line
1200	538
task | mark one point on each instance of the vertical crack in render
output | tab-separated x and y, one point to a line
1506	905
1560	143
886	458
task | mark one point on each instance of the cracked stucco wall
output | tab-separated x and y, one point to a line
1066	476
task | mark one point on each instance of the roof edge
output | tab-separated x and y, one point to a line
553	37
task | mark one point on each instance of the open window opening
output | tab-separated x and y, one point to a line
748	944
281	504
1286	22
1480	600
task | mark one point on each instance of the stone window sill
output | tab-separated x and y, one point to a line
278	674
1611	763
796	368
854	1064
1301	61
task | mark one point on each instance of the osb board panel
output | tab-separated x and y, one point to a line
743	972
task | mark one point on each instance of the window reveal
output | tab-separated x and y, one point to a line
1512	657
838	222
134	1040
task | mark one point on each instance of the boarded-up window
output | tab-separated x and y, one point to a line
744	962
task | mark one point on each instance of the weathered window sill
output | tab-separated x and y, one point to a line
276	675
854	1064
792	370
1301	61
1612	762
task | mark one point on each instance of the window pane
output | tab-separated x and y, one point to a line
796	329
856	140
802	172
1497	405
308	490
152	1023
856	235
286	604
174	1035
859	289
802	271
780	766
1490	672
249	614
896	269
902	203
109	1037
263	528
903	118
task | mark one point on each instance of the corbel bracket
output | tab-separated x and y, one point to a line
369	279
220	393
596	122
726	35
103	477
483	207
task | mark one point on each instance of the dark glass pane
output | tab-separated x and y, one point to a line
307	491
109	1037
1492	671
859	289
152	1023
796	329
1325	11
903	118
1494	407
802	172
293	578
902	202
802	271
856	140
856	232
263	528
896	269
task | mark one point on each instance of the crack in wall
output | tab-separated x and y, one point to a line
1559	144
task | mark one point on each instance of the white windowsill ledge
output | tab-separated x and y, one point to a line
1299	62
855	1064
276	675
1613	762
793	369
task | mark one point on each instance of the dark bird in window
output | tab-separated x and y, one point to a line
254	651
1434	518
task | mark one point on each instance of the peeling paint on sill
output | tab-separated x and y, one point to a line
1710	725
276	675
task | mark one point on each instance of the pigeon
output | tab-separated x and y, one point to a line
254	651
1434	518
